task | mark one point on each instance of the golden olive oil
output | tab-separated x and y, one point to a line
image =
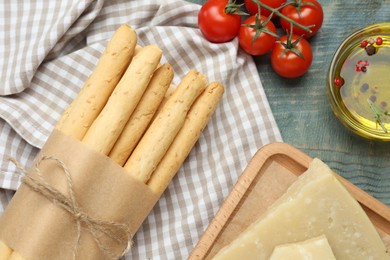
362	83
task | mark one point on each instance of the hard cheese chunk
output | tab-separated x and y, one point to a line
317	203
316	248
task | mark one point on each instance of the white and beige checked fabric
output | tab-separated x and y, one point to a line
48	49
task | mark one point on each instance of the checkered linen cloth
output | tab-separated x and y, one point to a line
49	48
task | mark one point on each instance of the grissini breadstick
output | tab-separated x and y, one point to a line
137	49
16	256
108	126
167	95
95	92
197	118
161	132
169	92
5	251
142	114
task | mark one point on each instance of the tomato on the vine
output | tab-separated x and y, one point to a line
257	35
304	12
291	56
219	20
252	7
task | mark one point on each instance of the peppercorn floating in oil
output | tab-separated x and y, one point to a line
362	82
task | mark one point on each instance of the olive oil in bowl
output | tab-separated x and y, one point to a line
359	82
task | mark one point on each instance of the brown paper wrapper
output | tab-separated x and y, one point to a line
37	228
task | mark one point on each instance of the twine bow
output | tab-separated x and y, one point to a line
69	204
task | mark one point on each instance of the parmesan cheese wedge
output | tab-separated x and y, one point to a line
317	203
316	248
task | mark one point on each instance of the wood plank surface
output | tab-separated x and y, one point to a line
302	111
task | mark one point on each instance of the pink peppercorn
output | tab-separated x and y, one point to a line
339	81
364	43
379	41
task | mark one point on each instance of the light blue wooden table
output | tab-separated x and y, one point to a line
301	107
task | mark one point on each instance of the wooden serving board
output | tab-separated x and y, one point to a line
268	175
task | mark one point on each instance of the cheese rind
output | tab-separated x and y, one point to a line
317	203
316	248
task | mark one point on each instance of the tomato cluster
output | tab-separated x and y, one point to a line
291	54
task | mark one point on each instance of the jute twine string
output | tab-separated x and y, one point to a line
94	226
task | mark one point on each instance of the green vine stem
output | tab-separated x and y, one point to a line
276	12
233	8
378	115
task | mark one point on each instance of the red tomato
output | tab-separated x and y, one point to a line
263	43
251	7
217	23
287	63
311	13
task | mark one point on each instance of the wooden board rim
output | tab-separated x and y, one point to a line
378	212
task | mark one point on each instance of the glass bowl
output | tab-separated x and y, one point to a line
358	82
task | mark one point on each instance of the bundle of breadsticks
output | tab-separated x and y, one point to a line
112	154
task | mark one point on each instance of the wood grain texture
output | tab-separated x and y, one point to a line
302	111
